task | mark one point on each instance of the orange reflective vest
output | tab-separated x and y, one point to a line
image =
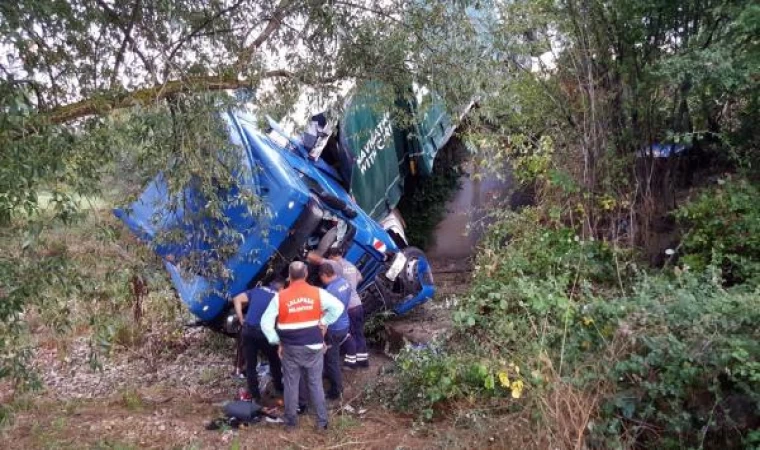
299	314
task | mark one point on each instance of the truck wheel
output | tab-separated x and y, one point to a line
409	276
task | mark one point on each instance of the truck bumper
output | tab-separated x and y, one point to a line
426	292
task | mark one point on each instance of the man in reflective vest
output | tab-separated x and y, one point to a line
301	313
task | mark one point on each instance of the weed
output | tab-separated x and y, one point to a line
217	342
132	400
343	423
210	375
107	444
128	334
60	423
70	406
191	446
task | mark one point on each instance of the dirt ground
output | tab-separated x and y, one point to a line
125	405
160	417
156	397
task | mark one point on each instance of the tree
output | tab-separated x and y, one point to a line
605	79
96	88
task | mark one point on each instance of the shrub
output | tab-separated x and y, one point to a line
654	360
430	377
691	374
723	228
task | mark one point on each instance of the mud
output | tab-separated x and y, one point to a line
456	238
481	190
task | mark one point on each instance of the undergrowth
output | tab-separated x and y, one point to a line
601	350
75	279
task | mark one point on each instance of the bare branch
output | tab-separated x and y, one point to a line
114	16
196	32
124	42
246	55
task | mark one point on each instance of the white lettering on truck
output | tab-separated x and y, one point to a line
377	141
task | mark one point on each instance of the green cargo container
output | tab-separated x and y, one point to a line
384	152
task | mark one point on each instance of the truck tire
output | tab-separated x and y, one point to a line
409	276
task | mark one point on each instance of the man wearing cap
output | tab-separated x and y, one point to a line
254	340
295	320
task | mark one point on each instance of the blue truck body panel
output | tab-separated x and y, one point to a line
289	186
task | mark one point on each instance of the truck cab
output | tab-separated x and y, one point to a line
300	200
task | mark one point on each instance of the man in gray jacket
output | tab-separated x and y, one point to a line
355	347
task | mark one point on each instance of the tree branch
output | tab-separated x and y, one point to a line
123	48
114	16
246	55
144	96
203	26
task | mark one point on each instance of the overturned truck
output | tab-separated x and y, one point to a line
337	191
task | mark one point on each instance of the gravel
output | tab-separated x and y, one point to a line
192	368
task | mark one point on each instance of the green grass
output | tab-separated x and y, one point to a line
132	400
44	200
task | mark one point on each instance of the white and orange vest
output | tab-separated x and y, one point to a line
299	314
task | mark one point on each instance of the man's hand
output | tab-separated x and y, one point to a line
314	258
280	351
241	319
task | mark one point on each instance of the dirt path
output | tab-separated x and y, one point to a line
169	409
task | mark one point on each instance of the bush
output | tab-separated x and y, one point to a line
691	370
723	228
429	377
541	284
655	360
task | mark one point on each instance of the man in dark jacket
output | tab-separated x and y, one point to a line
355	347
253	338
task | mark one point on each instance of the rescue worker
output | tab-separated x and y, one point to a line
337	333
355	347
253	338
301	313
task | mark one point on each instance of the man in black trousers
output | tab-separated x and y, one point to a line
253	338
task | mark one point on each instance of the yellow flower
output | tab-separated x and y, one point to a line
517	388
504	379
587	321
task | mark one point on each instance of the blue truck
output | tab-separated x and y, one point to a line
304	200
